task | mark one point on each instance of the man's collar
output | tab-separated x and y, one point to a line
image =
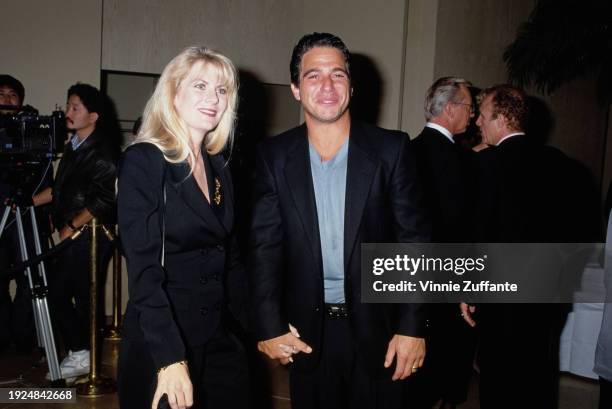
441	129
510	135
76	142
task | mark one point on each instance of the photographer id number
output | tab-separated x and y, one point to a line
37	395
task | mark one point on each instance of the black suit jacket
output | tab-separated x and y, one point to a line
382	205
524	193
524	199
179	305
448	177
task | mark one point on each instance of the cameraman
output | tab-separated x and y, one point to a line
84	188
18	179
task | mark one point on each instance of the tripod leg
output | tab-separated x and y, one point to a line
43	308
47	331
37	247
28	272
5	216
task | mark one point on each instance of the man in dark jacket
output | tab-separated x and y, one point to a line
449	190
522	200
322	189
84	188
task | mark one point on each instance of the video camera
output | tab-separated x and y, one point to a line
27	136
28	144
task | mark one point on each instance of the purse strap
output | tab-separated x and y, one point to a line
163	252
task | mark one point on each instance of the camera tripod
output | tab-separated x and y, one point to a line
39	291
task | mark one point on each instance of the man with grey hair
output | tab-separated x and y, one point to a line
442	163
446	171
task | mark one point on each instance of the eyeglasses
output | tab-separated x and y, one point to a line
467	105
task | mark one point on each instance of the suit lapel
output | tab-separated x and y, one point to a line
188	189
359	174
299	181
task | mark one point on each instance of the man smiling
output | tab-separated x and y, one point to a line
322	189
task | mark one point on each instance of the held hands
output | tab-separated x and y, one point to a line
284	347
174	381
65	232
409	353
466	312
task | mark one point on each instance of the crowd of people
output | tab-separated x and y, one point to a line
321	190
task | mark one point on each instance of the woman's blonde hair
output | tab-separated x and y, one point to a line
161	124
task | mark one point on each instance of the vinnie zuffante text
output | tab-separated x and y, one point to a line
438	267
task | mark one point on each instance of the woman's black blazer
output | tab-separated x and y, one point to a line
180	304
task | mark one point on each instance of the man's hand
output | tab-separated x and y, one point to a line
409	353
466	312
284	347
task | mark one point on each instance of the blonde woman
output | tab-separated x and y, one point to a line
175	204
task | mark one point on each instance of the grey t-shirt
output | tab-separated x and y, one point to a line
329	180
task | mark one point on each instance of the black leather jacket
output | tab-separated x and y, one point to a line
86	179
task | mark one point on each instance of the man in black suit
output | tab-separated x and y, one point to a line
448	186
521	201
444	167
322	189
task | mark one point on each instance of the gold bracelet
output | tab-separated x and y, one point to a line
164	367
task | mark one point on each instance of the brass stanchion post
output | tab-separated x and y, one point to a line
113	332
97	385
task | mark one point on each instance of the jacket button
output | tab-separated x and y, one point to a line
216	277
203	280
317	309
220	248
203	310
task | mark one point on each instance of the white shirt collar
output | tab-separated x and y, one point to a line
441	129
510	135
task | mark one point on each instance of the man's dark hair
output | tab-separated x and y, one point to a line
13	83
308	42
89	96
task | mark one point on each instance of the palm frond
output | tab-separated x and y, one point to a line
561	41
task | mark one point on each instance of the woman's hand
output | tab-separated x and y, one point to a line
174	381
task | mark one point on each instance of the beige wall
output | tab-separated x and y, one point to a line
50	45
143	35
471	36
420	57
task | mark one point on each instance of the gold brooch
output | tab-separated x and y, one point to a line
217	197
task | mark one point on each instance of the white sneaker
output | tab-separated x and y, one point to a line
75	364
